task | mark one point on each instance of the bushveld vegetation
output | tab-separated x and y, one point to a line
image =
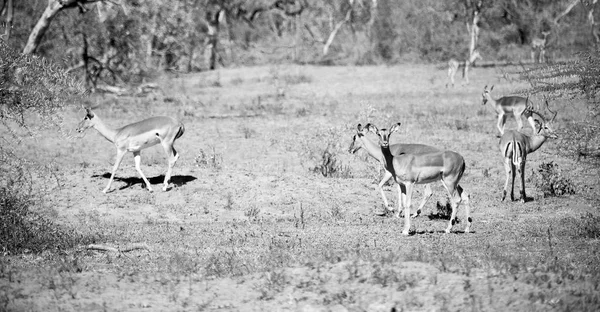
267	203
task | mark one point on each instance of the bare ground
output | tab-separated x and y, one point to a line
249	223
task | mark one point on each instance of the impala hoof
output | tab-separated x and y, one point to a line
380	212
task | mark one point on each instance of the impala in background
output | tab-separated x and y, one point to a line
509	105
515	146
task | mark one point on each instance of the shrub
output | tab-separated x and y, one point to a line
33	91
551	182
331	167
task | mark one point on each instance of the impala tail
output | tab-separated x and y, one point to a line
517	150
180	132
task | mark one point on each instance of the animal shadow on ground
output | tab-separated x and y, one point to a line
177	180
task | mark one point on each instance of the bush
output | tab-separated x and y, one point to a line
33	92
574	79
21	229
551	182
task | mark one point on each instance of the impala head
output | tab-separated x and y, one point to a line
87	122
545	127
384	134
485	96
360	132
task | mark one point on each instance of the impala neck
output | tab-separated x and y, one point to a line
386	158
535	142
372	148
105	131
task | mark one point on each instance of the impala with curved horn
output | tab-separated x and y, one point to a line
515	146
409	169
136	137
360	140
509	105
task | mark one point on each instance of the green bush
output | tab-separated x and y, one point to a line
551	181
33	91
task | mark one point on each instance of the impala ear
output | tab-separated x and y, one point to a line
89	113
372	128
394	128
492	88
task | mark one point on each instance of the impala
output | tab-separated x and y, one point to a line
539	44
453	66
509	105
360	140
136	137
410	169
515	146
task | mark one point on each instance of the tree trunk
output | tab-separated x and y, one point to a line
42	26
335	31
9	19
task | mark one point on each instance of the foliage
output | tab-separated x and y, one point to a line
32	87
21	228
574	79
144	37
32	92
331	167
551	181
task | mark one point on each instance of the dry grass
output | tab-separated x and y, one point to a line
248	215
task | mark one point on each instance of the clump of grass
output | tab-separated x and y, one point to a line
551	181
229	202
299	78
274	283
212	160
237	81
332	168
24	230
252	213
247	131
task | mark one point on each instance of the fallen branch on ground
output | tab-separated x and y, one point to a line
118	250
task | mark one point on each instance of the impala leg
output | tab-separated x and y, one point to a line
386	176
454	200
465	200
513	172
522	174
507	169
401	190
519	122
118	160
427	193
172	157
501	122
138	160
407	190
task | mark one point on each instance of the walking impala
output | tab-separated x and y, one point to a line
411	169
360	140
136	137
515	146
454	64
509	105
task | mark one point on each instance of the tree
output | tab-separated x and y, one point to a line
577	79
54	6
8	9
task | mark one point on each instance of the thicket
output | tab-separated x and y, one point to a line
132	40
33	91
576	79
